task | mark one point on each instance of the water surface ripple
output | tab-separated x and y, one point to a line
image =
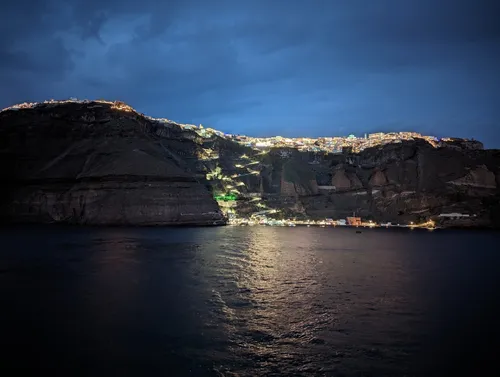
247	301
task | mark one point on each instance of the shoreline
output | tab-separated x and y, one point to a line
20	225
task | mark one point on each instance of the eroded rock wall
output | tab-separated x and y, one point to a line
91	164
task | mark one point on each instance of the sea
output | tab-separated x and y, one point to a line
248	301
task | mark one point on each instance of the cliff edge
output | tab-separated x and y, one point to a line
450	183
97	163
102	163
409	182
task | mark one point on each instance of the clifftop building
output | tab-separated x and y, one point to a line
334	144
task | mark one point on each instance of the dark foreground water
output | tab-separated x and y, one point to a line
248	301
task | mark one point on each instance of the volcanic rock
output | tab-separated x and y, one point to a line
92	163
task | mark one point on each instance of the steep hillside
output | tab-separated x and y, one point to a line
103	163
399	183
97	163
406	182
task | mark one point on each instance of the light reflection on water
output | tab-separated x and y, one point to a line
287	297
240	301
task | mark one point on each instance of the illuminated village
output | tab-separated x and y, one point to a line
228	193
334	144
266	216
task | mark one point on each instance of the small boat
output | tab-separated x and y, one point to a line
358	231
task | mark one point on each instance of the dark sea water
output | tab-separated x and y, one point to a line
248	301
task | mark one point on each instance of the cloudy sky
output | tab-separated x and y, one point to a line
265	67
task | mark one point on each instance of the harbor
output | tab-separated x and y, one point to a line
353	222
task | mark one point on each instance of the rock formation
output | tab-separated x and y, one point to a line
340	180
378	179
480	176
413	181
102	163
96	164
399	183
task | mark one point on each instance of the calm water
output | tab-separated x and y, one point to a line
248	301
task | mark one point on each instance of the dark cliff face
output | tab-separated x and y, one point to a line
398	183
94	164
411	181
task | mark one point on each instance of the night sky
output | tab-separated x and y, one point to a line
262	68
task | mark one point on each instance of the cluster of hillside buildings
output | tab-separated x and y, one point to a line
118	105
335	144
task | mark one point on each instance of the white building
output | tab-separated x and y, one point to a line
454	216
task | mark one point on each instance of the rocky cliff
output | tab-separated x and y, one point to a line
99	164
411	181
406	182
103	163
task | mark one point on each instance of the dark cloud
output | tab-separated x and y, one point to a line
297	67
